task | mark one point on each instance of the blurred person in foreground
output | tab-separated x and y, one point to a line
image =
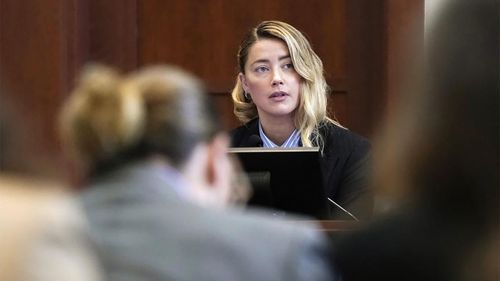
439	162
43	234
158	177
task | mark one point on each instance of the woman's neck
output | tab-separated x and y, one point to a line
277	129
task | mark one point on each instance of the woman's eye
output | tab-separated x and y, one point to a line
261	69
288	66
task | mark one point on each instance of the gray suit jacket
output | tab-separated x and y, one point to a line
145	231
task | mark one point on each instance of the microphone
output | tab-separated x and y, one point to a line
342	208
254	141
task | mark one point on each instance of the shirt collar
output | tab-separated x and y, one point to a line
173	179
292	141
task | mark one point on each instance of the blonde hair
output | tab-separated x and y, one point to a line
313	89
157	110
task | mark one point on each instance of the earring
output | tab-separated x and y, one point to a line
247	96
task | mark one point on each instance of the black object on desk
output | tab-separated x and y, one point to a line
287	180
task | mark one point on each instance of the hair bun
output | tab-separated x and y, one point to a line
100	83
102	117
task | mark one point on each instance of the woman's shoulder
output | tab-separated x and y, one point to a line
240	135
335	135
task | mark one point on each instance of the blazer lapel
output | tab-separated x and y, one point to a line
252	130
328	162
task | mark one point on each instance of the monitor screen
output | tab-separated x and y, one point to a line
287	180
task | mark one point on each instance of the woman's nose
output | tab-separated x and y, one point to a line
277	78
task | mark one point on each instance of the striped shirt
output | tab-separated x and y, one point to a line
292	141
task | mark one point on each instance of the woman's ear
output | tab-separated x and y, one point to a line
243	81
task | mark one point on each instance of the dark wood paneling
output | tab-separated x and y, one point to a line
365	51
43	46
203	37
405	29
34	67
224	106
112	33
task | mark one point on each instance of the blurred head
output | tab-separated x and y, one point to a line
274	57
160	113
441	146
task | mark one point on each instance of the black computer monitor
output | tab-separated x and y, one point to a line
287	180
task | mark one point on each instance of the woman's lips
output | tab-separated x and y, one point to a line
278	96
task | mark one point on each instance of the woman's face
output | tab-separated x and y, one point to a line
271	80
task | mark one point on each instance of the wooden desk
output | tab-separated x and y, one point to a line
337	225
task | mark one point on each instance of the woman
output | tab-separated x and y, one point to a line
281	96
158	174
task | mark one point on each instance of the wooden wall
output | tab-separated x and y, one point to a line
43	44
37	64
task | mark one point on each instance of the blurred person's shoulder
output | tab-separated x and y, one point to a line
287	248
62	243
271	221
47	234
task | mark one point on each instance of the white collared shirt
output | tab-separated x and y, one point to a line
292	141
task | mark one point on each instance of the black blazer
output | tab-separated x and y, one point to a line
344	165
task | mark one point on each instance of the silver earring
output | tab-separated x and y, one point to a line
247	96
